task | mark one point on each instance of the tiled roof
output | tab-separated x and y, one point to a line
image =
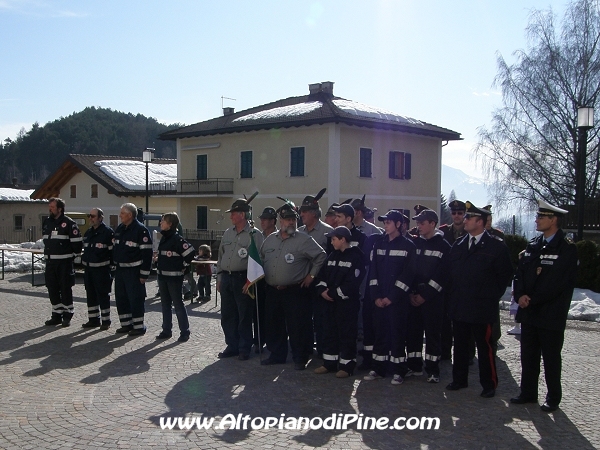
317	108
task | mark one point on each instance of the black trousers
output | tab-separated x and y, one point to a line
389	348
288	313
535	343
425	318
97	282
237	310
340	331
446	341
486	357
60	279
130	297
368	327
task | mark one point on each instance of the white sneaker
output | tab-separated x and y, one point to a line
372	376
515	331
433	378
397	380
410	373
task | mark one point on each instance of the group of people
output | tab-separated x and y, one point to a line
326	284
124	255
330	281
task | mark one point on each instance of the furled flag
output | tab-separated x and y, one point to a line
255	268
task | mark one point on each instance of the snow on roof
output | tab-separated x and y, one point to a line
282	111
16	195
361	110
132	174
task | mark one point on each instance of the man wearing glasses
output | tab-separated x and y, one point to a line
97	258
480	270
544	286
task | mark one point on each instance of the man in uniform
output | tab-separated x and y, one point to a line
132	255
451	234
97	259
488	226
414	231
268	221
479	272
544	286
359	218
237	307
390	276
291	261
427	297
344	217
62	242
310	212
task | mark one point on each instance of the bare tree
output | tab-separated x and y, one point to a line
530	151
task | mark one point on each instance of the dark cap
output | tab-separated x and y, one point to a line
287	211
488	208
427	214
346	209
330	211
268	213
457	205
473	210
547	209
240	205
369	213
393	215
359	203
340	232
419	208
311	202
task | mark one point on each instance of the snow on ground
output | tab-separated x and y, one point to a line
132	174
17	195
585	304
361	110
282	111
21	261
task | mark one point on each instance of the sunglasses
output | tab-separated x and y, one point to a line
457	213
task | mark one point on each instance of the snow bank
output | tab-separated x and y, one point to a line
21	261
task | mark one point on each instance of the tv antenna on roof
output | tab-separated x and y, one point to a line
226	98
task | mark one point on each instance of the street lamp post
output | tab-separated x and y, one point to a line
585	121
147	157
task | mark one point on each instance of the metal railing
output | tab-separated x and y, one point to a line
203	235
8	235
214	186
591	217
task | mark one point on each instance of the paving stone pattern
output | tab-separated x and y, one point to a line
85	389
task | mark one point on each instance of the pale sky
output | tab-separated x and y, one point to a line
433	60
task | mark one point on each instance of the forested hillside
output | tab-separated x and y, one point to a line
94	131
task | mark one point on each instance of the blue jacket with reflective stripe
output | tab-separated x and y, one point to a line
61	237
97	245
174	253
133	247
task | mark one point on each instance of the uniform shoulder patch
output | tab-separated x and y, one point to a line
498	238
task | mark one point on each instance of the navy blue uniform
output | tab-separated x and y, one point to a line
478	279
132	254
174	256
391	275
62	242
431	262
97	259
547	274
341	276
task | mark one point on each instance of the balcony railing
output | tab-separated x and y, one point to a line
209	186
591	216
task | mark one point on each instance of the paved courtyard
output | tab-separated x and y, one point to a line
88	389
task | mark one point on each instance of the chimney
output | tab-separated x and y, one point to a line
314	88
327	87
228	111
